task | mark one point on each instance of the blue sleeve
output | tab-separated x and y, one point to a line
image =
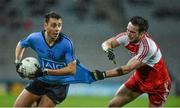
69	55
25	42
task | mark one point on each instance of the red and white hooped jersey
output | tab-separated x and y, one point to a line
146	50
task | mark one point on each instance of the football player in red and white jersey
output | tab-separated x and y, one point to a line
151	74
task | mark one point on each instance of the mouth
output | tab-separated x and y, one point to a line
55	35
131	37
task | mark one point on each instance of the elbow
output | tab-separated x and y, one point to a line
72	68
126	71
104	46
72	71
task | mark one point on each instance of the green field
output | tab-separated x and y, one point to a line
92	101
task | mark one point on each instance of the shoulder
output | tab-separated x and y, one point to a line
149	51
65	37
122	38
66	40
148	46
32	36
123	34
147	41
35	35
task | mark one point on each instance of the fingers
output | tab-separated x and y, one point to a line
31	77
21	74
98	75
18	65
94	75
111	55
37	66
114	62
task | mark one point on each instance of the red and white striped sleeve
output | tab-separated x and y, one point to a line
144	49
148	52
122	38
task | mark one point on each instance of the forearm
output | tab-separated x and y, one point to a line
62	71
109	44
19	52
117	72
130	66
68	70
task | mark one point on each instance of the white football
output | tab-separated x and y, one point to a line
29	66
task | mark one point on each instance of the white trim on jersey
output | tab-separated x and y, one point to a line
148	51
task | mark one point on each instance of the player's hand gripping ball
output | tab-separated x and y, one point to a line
29	66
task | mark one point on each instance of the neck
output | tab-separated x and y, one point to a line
141	36
49	40
138	38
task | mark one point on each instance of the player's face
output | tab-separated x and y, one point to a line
133	32
53	28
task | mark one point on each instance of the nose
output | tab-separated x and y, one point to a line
57	29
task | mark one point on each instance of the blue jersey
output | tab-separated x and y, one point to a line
56	57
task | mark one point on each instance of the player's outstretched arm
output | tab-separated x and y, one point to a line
125	69
119	71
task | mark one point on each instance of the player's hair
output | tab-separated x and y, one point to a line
52	14
140	22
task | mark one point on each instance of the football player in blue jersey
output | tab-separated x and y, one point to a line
59	66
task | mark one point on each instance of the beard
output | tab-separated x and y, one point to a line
134	39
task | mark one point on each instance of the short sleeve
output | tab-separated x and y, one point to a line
145	52
122	39
69	55
26	42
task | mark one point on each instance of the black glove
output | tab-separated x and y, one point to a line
38	73
98	75
18	64
111	55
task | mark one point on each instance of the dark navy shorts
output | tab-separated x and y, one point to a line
57	93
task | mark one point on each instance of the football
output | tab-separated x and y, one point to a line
29	66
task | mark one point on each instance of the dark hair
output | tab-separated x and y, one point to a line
51	15
140	22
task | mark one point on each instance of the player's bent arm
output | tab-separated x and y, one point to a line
19	51
110	43
131	65
70	69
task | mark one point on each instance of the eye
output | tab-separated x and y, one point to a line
59	25
131	31
53	25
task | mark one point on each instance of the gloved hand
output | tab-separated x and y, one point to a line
38	73
98	75
18	64
110	54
